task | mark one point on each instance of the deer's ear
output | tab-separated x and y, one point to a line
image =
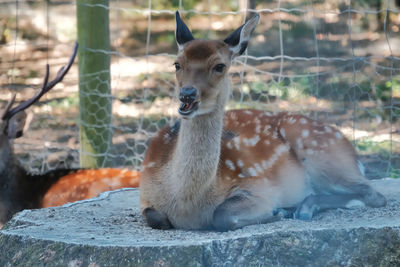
16	125
239	39
182	32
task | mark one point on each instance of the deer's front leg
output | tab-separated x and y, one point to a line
156	219
240	210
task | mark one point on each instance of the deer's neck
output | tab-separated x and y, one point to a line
9	166
5	156
15	184
196	158
11	174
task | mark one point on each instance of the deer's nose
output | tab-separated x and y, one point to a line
188	94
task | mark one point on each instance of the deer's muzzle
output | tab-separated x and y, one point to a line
188	96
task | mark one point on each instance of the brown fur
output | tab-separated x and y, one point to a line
202	49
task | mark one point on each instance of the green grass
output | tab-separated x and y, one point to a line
366	146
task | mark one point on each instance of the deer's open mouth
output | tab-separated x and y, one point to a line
186	109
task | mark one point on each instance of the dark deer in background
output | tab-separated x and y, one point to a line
21	190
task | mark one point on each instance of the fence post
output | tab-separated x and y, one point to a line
94	82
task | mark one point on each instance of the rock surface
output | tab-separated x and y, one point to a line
109	231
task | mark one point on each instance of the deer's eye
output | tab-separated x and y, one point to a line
177	66
219	68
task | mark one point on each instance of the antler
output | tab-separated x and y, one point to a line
45	88
7	108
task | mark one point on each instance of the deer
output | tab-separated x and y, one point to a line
223	170
20	189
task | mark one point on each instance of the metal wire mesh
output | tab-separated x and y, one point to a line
336	62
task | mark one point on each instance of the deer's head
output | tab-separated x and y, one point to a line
202	67
11	127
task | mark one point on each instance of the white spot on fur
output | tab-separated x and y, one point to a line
303	121
314	143
282	131
258	168
267	142
280	150
151	164
258	128
305	133
266	129
252	172
240	163
328	129
267	113
229	145
248	112
291	120
264	164
251	141
241	175
318	132
236	142
230	164
275	135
